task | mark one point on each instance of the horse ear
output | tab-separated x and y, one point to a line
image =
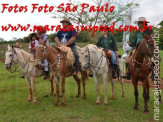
9	47
44	43
146	36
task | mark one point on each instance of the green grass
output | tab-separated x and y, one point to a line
14	105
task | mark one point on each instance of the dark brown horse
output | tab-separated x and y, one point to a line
139	67
59	68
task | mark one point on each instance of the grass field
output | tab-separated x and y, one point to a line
14	106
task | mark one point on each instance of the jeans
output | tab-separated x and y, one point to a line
113	58
46	65
76	56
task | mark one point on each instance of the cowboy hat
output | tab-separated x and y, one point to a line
142	19
66	20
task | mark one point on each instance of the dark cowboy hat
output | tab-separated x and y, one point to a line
66	20
31	35
41	28
142	19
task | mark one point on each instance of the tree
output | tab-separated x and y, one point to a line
98	18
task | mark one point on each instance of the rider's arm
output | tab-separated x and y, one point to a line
70	41
58	41
99	42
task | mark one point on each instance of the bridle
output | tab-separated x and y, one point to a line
11	63
43	54
93	66
139	63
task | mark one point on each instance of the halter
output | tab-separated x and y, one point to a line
91	64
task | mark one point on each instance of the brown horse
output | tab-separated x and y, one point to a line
139	67
59	68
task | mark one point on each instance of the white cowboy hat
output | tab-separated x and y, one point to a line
142	19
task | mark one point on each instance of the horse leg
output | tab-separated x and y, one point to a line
63	91
145	94
57	91
83	78
33	89
122	85
52	87
29	88
112	86
51	83
78	83
135	84
97	89
105	89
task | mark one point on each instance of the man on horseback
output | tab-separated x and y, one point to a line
67	38
108	43
137	39
42	37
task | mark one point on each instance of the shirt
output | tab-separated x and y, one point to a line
33	44
65	36
108	43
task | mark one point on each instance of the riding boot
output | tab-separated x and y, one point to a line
127	76
46	75
114	71
22	76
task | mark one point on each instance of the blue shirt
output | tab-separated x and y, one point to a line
65	36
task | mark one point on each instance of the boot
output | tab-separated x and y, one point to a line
22	76
46	75
114	71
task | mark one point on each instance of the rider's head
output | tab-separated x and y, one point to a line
33	36
141	21
65	22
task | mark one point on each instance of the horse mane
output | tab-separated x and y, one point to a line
96	48
56	48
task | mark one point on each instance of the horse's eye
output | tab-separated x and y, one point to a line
86	56
42	50
10	55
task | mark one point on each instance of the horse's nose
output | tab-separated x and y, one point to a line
7	67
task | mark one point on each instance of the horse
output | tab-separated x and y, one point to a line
94	59
59	68
26	62
139	67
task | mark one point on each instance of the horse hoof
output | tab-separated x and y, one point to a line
29	99
84	98
34	101
123	96
77	96
51	93
146	111
105	103
135	108
112	98
97	103
55	104
63	105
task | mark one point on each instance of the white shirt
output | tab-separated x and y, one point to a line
36	43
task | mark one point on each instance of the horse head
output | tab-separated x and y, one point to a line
41	53
10	57
85	57
147	45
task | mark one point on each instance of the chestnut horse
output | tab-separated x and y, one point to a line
59	68
139	67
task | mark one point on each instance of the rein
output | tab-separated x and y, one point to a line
91	64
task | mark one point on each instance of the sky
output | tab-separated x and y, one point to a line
152	10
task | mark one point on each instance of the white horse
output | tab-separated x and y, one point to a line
27	65
94	59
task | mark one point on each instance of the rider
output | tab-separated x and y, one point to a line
34	42
108	42
67	38
138	38
42	37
